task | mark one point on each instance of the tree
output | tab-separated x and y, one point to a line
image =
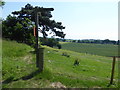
106	41
21	28
113	42
118	42
2	3
74	41
44	19
79	41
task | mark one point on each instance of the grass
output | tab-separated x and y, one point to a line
19	69
97	49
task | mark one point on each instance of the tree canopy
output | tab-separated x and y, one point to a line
19	26
20	30
44	19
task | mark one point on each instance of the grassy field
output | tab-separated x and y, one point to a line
19	70
96	49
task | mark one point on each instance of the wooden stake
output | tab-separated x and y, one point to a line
37	45
39	51
113	68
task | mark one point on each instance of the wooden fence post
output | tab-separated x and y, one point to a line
40	59
37	45
113	68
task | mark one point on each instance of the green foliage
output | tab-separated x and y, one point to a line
95	41
95	49
92	72
59	46
19	27
44	19
51	42
19	30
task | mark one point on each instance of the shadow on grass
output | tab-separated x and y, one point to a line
8	80
31	75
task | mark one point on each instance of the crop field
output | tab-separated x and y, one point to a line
19	68
94	49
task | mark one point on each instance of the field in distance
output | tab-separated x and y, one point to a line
96	49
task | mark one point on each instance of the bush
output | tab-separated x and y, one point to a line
51	42
65	54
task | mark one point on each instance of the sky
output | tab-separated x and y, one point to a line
82	19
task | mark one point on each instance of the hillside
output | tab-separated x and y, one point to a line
19	70
96	49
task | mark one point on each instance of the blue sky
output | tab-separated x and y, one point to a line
83	20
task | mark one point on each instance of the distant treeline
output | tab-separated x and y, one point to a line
106	41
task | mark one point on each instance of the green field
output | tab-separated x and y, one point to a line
96	49
19	70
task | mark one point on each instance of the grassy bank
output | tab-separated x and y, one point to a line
19	69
